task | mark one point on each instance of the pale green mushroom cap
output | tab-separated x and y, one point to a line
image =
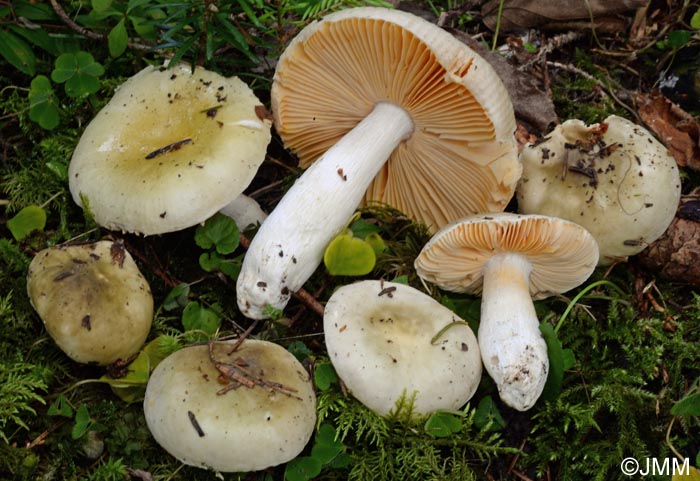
93	300
389	341
243	429
169	150
613	178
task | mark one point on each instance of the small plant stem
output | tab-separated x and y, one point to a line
89	33
442	331
578	297
498	24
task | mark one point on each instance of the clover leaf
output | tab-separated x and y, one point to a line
79	72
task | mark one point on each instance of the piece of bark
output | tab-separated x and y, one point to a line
523	14
675	256
673	126
531	105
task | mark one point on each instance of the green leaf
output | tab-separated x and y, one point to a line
135	4
218	231
376	242
302	468
58	167
17	52
101	5
442	424
689	405
38	37
487	413
326	445
79	72
33	10
557	363
132	387
362	228
349	256
143	27
117	39
43	106
679	38
299	350
211	261
26	221
695	20
60	407
324	375
401	280
177	297
82	422
197	317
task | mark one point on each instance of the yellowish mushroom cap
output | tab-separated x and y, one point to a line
169	150
242	429
562	253
613	178
93	300
461	157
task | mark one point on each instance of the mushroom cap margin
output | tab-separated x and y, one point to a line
562	254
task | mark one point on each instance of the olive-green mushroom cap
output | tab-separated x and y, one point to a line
93	300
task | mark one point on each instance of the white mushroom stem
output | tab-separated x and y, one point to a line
290	243
512	348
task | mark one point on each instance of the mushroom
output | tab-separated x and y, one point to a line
245	212
389	341
169	150
93	300
207	419
511	259
613	178
399	111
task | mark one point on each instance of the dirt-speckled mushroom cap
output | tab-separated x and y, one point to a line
562	253
613	178
383	340
243	429
169	150
93	300
461	157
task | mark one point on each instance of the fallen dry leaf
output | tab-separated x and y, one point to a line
673	126
675	256
519	14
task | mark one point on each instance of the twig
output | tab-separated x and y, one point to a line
89	33
553	43
606	90
302	295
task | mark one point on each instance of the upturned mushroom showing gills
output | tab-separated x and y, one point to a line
93	300
169	150
510	259
613	178
391	108
231	410
389	341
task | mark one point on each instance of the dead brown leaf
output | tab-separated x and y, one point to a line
673	126
519	14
